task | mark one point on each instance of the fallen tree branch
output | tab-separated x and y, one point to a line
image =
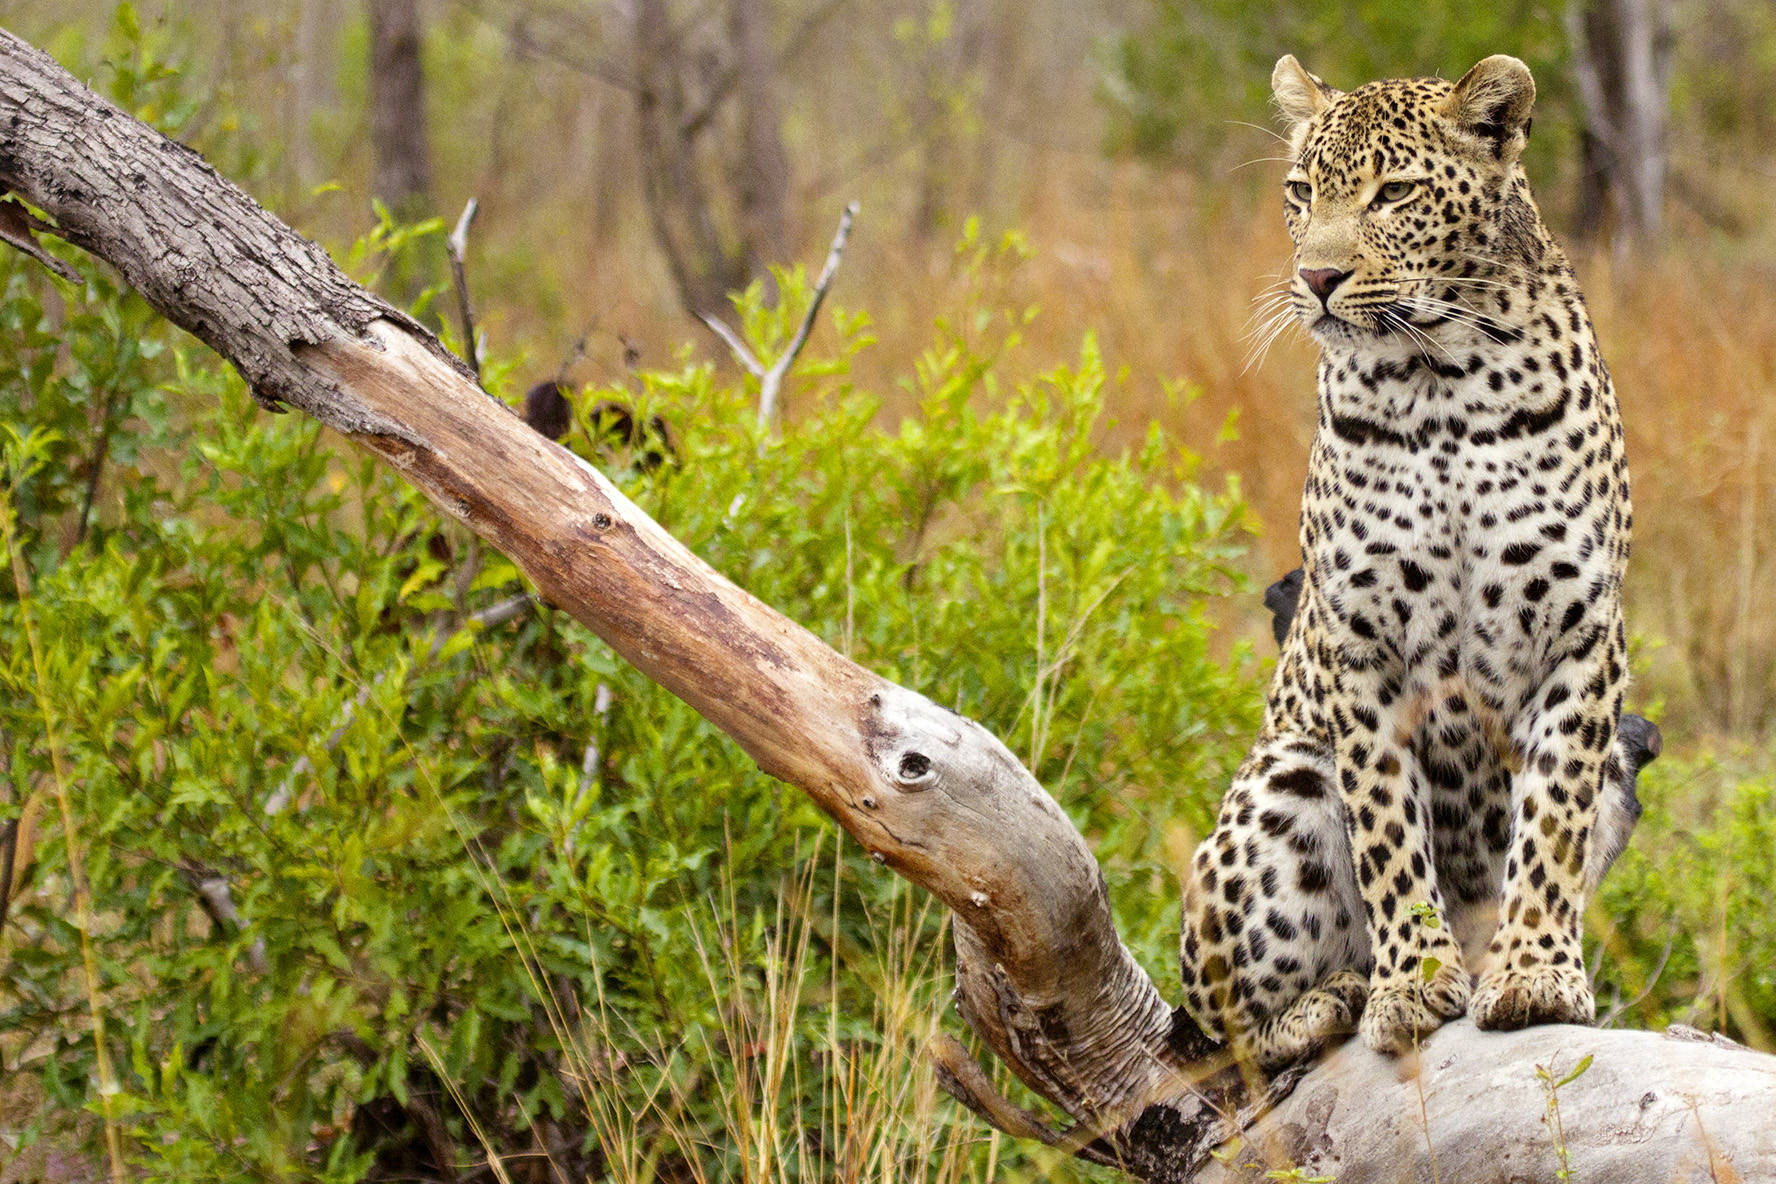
1041	975
216	898
19	228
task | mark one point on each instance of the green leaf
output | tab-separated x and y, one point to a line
1578	1072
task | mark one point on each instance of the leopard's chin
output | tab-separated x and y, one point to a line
1331	329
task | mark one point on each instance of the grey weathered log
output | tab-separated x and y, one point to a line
1649	1109
1041	975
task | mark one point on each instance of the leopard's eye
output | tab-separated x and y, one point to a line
1301	191
1395	191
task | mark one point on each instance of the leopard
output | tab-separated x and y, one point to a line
1440	778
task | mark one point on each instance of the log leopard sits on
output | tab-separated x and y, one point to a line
1441	731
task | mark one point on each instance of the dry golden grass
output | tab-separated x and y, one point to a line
1167	283
1161	263
1165	279
1693	353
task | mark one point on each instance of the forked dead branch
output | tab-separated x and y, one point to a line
1041	975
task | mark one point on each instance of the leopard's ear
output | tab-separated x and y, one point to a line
1492	103
1299	95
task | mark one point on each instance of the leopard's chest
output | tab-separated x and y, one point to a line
1449	532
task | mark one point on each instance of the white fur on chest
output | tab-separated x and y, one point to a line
1450	529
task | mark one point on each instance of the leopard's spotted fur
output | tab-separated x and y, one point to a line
1443	720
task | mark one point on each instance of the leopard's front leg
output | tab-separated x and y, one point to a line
1536	971
1389	824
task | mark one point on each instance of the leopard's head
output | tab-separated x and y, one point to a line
1409	208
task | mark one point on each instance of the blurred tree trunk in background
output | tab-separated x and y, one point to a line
945	111
670	121
403	168
714	172
761	173
1622	63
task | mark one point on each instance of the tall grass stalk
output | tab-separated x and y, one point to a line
880	1117
83	912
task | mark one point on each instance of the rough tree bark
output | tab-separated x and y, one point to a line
1041	975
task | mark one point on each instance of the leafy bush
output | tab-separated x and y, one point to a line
1176	85
445	928
1683	922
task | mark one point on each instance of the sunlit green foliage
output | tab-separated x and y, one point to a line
443	872
448	916
1684	918
1181	84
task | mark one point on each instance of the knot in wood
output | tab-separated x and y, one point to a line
915	771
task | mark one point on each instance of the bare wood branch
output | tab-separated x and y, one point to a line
552	49
696	121
1041	974
17	229
216	897
773	379
18	841
963	1079
458	244
803	34
8	849
734	342
601	703
96	466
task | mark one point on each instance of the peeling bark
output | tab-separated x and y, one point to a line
1041	975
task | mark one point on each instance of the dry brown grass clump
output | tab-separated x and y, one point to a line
1166	281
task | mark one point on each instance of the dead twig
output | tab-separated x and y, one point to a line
960	1076
217	901
1620	1008
18	226
601	703
458	245
771	379
101	452
8	849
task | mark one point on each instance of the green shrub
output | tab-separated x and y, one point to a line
448	917
1683	922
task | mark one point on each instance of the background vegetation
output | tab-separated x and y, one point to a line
516	910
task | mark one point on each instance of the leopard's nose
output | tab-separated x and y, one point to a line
1321	280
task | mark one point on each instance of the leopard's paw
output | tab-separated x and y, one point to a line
1332	1008
1404	1009
1510	997
1311	1023
1345	994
